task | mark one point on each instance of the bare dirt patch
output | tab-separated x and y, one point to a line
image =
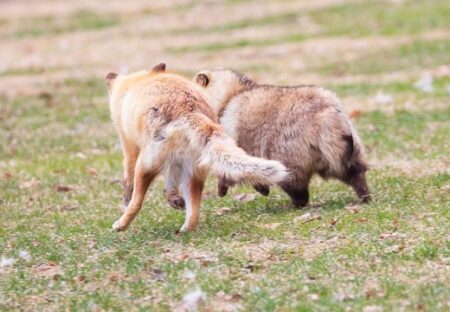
22	8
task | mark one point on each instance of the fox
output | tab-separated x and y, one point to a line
167	127
304	127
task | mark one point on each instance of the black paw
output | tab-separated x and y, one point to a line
222	190
177	202
262	189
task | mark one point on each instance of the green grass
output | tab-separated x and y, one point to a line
364	18
400	88
268	267
355	19
284	18
392	253
383	18
415	55
407	135
233	44
119	267
82	20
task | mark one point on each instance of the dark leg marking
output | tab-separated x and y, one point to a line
222	188
262	189
299	196
127	193
356	178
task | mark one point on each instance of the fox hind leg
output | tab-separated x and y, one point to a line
148	165
192	188
172	183
143	177
130	155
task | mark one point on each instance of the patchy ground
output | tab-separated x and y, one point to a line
60	160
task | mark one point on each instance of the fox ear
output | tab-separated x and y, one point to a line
159	68
202	80
110	77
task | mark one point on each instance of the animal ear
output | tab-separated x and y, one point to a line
110	77
161	67
202	80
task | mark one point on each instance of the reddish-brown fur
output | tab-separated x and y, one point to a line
166	124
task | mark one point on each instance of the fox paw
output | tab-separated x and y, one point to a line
262	189
176	202
119	226
183	228
222	190
186	228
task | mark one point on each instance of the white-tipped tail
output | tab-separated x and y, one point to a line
226	159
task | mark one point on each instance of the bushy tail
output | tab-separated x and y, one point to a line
227	160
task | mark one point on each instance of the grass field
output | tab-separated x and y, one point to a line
60	160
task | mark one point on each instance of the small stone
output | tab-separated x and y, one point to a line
373	309
383	98
222	211
313	297
425	83
6	261
189	275
24	255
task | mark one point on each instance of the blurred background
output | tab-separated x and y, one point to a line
333	42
